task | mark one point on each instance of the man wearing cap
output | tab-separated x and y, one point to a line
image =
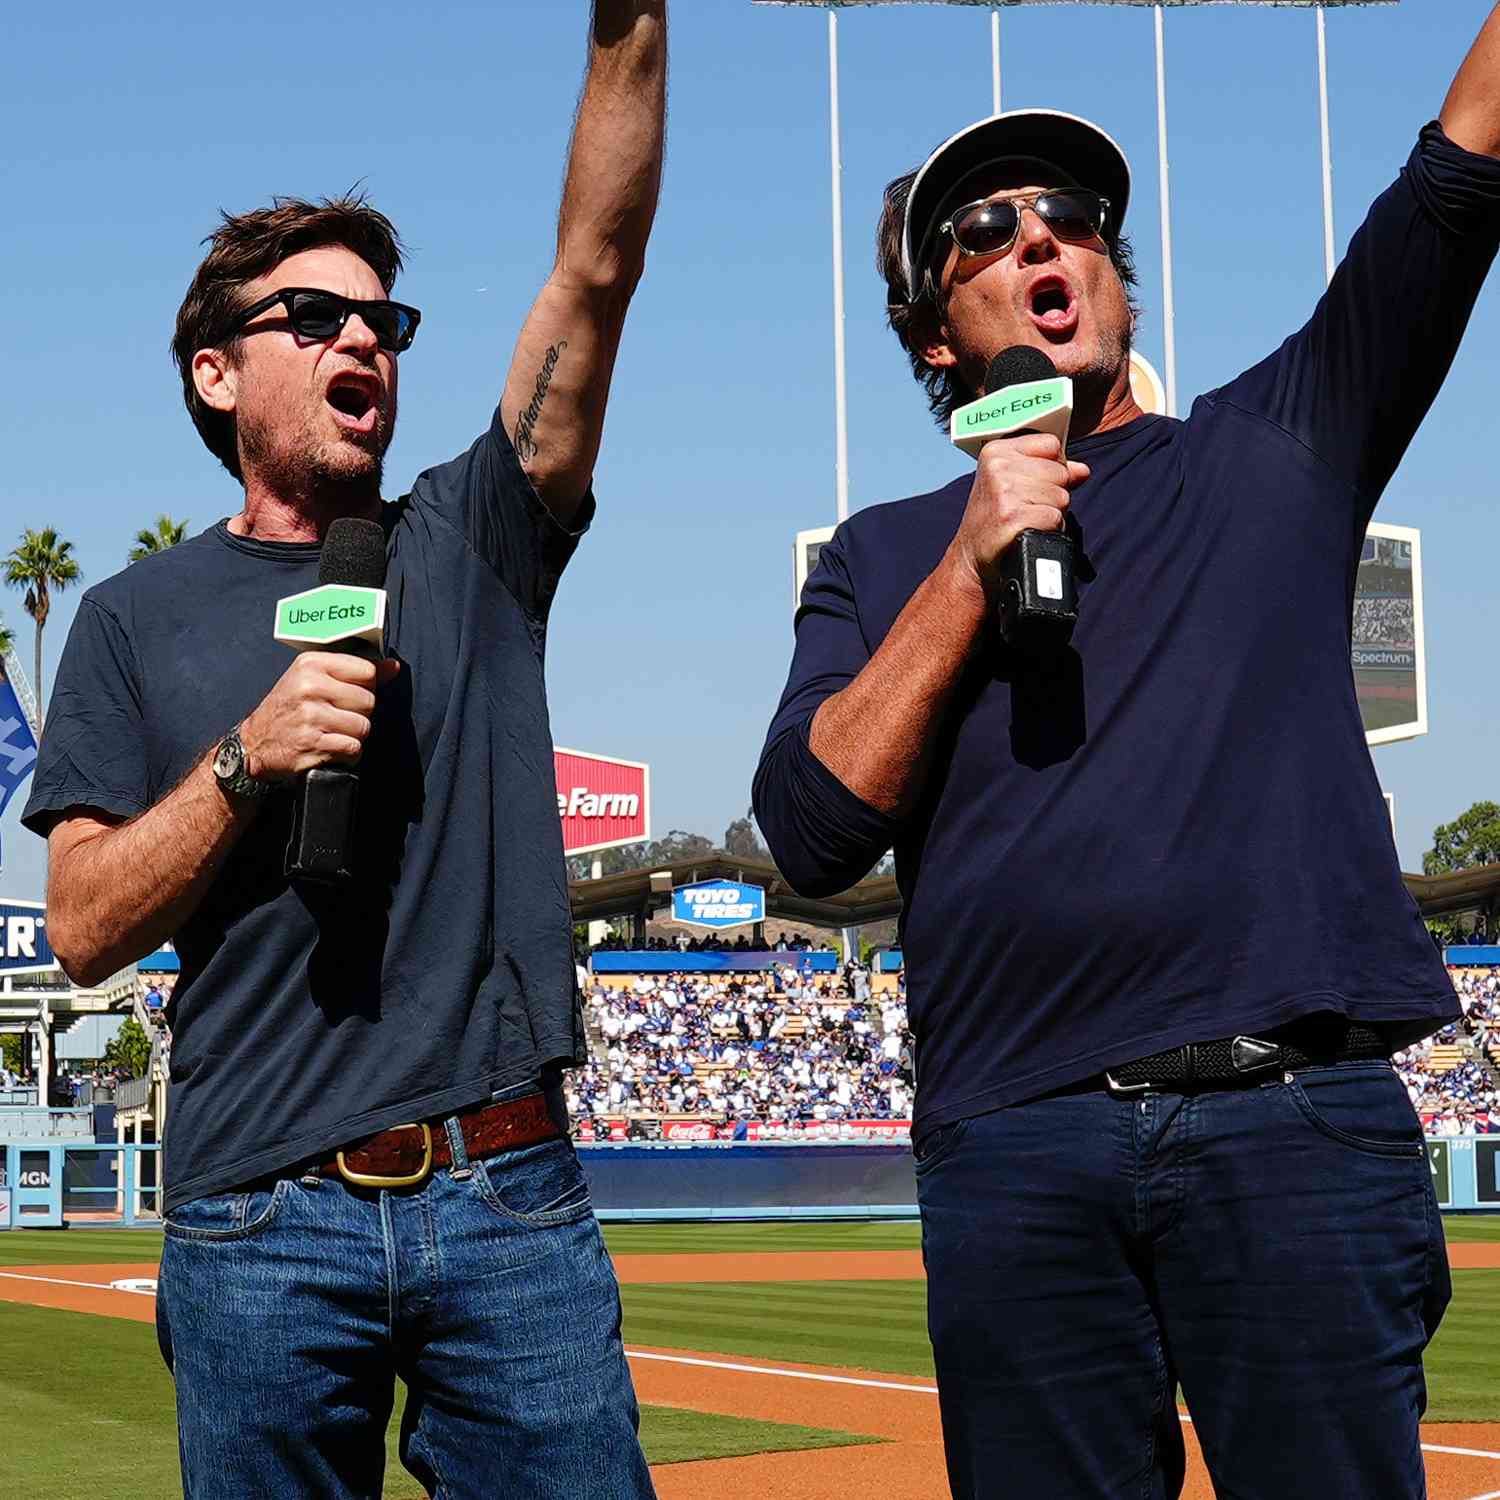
1158	943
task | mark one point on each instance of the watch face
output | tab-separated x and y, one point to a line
228	761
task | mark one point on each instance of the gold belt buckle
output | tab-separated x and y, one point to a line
370	1179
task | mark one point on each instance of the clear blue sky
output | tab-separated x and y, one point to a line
129	126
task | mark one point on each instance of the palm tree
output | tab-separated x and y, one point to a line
167	534
7	639
40	564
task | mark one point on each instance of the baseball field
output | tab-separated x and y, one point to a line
770	1359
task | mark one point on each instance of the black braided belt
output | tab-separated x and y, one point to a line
1239	1060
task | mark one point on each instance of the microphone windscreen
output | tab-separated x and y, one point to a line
1018	365
353	553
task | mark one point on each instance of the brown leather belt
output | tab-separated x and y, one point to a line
405	1155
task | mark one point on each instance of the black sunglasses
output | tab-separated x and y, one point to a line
990	226
316	314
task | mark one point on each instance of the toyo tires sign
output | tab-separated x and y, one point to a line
718	903
602	802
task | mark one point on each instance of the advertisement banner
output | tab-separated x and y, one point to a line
670	961
718	903
17	742
1487	1172
1439	1159
24	948
602	802
898	1132
689	1130
1386	634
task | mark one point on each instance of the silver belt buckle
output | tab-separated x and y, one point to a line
1125	1090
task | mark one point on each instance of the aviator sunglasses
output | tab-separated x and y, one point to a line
316	314
990	226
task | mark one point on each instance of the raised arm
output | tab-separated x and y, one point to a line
555	393
1471	112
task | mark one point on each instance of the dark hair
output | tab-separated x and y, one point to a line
247	246
910	321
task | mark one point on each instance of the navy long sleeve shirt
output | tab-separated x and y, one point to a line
1178	835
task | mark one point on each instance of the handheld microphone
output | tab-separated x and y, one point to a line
1039	591
346	612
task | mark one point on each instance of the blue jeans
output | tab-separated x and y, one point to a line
285	1314
1277	1250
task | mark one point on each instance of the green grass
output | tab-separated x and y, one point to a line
90	1413
727	1237
869	1325
1471	1227
86	1246
1463	1361
77	1247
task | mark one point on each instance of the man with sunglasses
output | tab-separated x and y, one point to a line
1158	940
367	1172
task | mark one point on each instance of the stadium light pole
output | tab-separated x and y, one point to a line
1169	330
1327	143
840	386
995	56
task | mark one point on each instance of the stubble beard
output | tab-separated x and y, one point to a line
302	464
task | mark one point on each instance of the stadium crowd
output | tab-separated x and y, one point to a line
781	1048
787	1048
1458	1095
1383	621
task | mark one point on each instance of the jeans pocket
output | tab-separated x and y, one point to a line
1361	1105
537	1185
937	1144
227	1216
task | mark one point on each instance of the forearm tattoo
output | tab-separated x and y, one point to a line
525	440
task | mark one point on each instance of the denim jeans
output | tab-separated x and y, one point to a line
1276	1250
285	1314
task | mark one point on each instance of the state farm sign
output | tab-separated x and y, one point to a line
602	802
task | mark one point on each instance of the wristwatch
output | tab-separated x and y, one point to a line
229	768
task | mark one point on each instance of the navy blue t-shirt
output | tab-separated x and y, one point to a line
304	1017
1178	835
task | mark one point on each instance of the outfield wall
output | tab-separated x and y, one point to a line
731	1180
724	1180
44	1184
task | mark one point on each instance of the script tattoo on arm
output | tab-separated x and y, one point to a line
525	439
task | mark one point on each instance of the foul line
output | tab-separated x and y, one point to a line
720	1364
931	1390
93	1286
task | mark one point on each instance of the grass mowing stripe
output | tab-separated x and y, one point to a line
862	1325
83	1247
747	1238
1467	1228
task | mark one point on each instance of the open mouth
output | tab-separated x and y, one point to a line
355	402
1052	305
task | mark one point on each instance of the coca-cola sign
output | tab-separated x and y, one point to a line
602	802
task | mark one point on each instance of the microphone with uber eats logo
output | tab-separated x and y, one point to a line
346	612
1039	594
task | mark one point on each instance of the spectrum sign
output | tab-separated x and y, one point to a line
602	802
